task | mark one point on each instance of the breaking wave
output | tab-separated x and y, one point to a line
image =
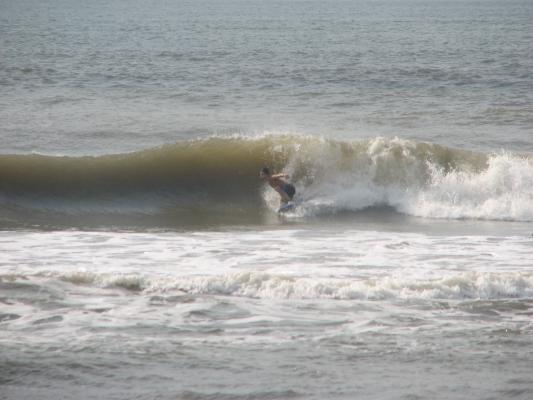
221	175
461	286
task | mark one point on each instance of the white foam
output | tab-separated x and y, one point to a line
503	191
403	175
277	264
250	285
459	286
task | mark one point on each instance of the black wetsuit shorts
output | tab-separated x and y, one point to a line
290	190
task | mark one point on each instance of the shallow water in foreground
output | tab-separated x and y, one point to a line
266	314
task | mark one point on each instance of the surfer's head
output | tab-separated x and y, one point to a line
264	173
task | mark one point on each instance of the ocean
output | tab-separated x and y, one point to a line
141	257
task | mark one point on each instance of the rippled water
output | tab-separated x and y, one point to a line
86	77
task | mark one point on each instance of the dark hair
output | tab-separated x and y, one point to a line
265	170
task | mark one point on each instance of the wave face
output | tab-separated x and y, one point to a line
220	175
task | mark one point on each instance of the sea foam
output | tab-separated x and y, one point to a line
413	178
461	286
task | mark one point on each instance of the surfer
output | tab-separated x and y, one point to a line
277	182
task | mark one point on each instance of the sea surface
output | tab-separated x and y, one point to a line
141	257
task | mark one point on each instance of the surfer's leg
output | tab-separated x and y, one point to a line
285	198
290	190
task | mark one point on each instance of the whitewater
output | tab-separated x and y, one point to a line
265	305
142	257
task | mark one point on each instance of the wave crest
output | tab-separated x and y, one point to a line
462	286
415	178
419	179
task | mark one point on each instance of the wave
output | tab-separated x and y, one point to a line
220	175
419	179
462	286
